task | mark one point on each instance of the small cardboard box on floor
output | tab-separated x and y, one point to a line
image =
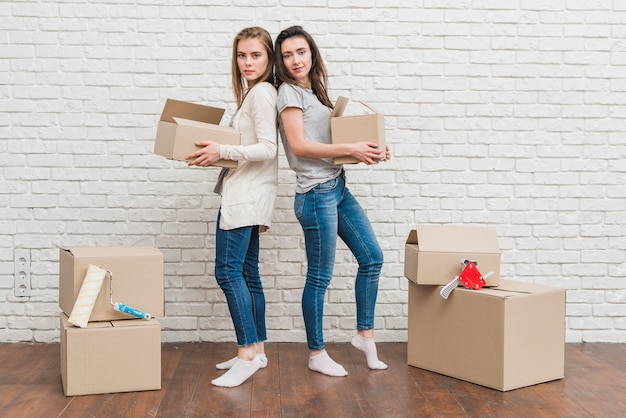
355	128
433	254
137	279
183	123
110	356
504	337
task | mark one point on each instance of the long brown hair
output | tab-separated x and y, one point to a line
317	74
239	82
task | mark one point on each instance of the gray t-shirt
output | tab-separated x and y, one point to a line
309	171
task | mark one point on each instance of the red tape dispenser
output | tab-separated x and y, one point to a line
470	277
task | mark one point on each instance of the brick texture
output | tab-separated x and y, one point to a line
508	114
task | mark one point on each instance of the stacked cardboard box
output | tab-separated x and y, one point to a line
115	352
504	336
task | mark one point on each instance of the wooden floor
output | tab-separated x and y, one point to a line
594	386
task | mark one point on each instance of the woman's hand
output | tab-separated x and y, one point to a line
387	153
368	152
205	156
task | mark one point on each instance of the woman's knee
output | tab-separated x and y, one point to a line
373	260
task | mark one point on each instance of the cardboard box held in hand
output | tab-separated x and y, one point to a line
182	124
357	128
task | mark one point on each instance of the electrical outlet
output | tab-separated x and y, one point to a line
21	263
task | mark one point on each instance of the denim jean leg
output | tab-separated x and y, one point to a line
253	281
230	253
316	211
356	231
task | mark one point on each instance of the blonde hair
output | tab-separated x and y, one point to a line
239	82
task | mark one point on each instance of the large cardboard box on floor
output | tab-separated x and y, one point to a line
433	254
347	129
137	279
504	337
182	124
109	357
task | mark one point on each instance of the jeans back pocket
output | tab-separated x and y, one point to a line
298	204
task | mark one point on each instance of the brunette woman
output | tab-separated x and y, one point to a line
323	204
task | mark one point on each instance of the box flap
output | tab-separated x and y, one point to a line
443	238
90	325
412	238
512	289
370	107
340	106
342	103
203	125
98	324
192	111
520	288
125	323
111	251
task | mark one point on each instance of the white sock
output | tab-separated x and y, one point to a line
238	373
324	364
368	346
229	363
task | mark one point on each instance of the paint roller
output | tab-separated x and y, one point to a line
120	307
89	290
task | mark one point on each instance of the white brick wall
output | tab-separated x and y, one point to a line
511	114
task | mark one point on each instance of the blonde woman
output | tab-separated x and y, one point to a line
248	193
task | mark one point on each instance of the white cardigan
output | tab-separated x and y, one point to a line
249	191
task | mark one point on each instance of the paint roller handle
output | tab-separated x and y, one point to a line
120	307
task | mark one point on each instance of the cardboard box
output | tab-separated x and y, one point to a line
137	279
109	357
357	128
504	338
182	124
433	253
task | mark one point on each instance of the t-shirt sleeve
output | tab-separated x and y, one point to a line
289	96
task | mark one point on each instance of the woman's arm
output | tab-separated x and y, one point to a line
293	123
263	112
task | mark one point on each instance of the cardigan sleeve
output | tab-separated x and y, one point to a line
261	107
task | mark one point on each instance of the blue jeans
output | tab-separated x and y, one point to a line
237	273
325	212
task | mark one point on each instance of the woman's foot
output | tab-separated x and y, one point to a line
240	371
322	363
229	363
368	346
